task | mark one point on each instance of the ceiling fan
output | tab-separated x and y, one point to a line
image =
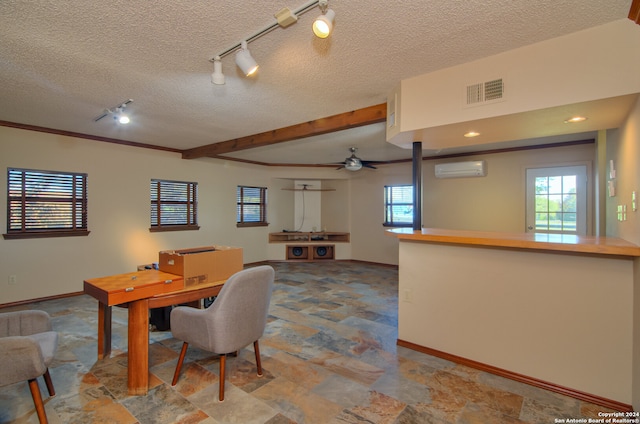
354	163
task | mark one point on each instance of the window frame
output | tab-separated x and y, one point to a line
191	202
240	203
73	192
582	172
388	203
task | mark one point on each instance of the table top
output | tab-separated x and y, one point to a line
117	282
147	284
122	288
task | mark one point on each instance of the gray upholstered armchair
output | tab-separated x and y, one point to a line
27	347
236	318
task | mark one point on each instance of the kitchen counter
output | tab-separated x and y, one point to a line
555	311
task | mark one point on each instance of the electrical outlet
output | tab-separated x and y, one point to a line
13	279
407	295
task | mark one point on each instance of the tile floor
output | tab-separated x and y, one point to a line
328	353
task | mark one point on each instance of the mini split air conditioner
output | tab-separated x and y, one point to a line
476	168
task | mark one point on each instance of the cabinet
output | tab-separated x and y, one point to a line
314	246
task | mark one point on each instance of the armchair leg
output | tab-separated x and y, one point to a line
37	401
256	348
183	352
49	383
223	359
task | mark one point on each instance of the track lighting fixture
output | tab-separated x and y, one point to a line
245	61
323	24
217	77
118	113
122	118
284	18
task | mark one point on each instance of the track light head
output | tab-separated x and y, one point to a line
323	24
119	115
245	61
217	77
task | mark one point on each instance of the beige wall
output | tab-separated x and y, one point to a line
573	329
495	202
577	67
118	185
119	207
623	147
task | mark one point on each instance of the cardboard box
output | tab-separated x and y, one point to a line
202	264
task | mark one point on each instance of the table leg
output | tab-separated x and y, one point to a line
104	330
138	367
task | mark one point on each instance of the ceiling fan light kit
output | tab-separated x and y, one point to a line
321	27
354	163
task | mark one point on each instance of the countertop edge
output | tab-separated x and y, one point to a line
608	246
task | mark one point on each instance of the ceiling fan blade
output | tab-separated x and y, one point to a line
368	165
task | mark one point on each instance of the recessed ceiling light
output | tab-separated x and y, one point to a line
471	134
575	119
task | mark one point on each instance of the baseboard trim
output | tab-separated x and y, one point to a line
577	394
40	299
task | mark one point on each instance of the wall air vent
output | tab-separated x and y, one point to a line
484	92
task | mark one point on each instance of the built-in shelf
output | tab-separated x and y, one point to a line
313	237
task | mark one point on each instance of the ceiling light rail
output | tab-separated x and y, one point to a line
117	112
284	18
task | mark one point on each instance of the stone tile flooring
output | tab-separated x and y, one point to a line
329	356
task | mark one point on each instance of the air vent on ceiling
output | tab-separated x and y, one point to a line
485	92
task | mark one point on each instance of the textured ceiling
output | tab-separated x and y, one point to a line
62	63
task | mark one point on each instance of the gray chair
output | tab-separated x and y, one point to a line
236	318
27	347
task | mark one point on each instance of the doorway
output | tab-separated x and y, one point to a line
556	200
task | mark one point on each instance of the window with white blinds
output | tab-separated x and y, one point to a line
46	204
174	205
251	210
398	206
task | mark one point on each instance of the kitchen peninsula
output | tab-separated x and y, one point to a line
551	310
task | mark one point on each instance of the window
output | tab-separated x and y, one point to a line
556	200
46	204
174	205
398	206
251	206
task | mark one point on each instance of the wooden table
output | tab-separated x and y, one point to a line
140	291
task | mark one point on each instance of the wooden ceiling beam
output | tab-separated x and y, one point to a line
357	118
634	11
